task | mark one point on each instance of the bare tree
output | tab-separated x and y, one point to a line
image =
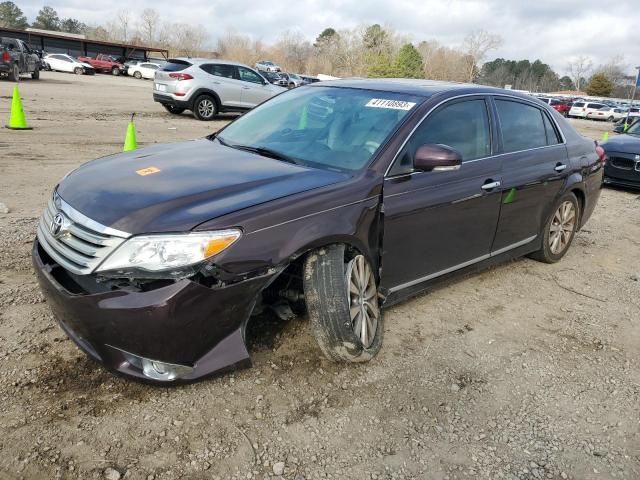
123	19
443	63
578	69
189	40
149	24
476	45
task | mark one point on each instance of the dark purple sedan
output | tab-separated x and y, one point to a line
340	198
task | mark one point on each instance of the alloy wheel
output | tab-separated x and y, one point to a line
363	300
206	108
562	227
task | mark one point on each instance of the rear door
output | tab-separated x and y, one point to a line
254	89
223	79
534	168
440	221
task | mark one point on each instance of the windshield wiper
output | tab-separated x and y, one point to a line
263	151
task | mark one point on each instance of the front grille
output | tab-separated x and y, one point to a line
81	244
622	163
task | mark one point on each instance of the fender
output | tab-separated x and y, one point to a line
201	91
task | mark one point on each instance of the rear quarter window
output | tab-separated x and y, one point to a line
578	104
595	105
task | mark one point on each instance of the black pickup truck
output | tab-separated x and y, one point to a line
17	58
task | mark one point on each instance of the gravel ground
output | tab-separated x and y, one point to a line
526	371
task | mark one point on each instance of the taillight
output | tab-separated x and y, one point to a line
5	57
181	76
602	155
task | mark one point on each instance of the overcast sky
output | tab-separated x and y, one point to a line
551	30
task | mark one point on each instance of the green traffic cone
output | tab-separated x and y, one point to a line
605	136
626	126
130	142
17	120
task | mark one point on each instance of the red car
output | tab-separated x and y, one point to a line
104	63
560	106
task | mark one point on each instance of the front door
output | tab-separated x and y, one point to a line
223	79
534	167
254	90
437	222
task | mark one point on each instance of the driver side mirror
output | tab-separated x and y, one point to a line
434	157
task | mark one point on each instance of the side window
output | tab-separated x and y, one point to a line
247	75
552	135
463	126
578	104
220	70
522	126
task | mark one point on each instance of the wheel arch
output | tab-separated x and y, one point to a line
204	91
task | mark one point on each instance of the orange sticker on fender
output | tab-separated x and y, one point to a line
147	171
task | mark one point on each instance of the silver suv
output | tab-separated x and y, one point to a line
208	87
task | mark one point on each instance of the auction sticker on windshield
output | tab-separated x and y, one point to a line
393	104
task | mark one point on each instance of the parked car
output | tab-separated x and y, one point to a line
267	66
208	87
293	80
104	63
143	70
308	79
560	106
582	109
62	62
295	203
275	78
619	126
608	114
17	58
623	158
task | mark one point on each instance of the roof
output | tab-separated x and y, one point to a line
62	36
409	86
199	61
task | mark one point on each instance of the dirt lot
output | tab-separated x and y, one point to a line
525	371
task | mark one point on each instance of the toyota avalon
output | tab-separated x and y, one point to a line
344	197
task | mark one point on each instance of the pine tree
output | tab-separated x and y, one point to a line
409	62
599	86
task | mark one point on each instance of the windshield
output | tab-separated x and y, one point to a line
634	129
323	127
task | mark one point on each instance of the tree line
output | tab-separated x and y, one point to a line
366	51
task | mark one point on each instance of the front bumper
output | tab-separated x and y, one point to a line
183	323
622	169
5	68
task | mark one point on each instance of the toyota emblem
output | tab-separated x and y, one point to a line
56	224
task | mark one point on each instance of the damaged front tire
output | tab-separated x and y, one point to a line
342	300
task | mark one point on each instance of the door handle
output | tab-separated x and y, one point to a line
560	167
246	88
490	185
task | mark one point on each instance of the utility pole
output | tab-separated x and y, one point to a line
633	97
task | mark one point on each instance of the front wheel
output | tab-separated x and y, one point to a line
559	230
78	70
137	75
342	301
36	74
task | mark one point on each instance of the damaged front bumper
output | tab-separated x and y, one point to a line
176	332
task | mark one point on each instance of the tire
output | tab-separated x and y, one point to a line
115	71
137	75
173	109
14	74
610	119
35	75
549	254
291	85
330	304
205	108
78	70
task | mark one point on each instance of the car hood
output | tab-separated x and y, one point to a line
623	143
85	65
175	187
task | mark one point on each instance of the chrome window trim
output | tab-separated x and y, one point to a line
468	263
511	97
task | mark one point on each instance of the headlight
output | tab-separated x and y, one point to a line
167	253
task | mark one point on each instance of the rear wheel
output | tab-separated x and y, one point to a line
78	70
559	230
610	119
205	108
173	109
342	302
115	71
14	73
